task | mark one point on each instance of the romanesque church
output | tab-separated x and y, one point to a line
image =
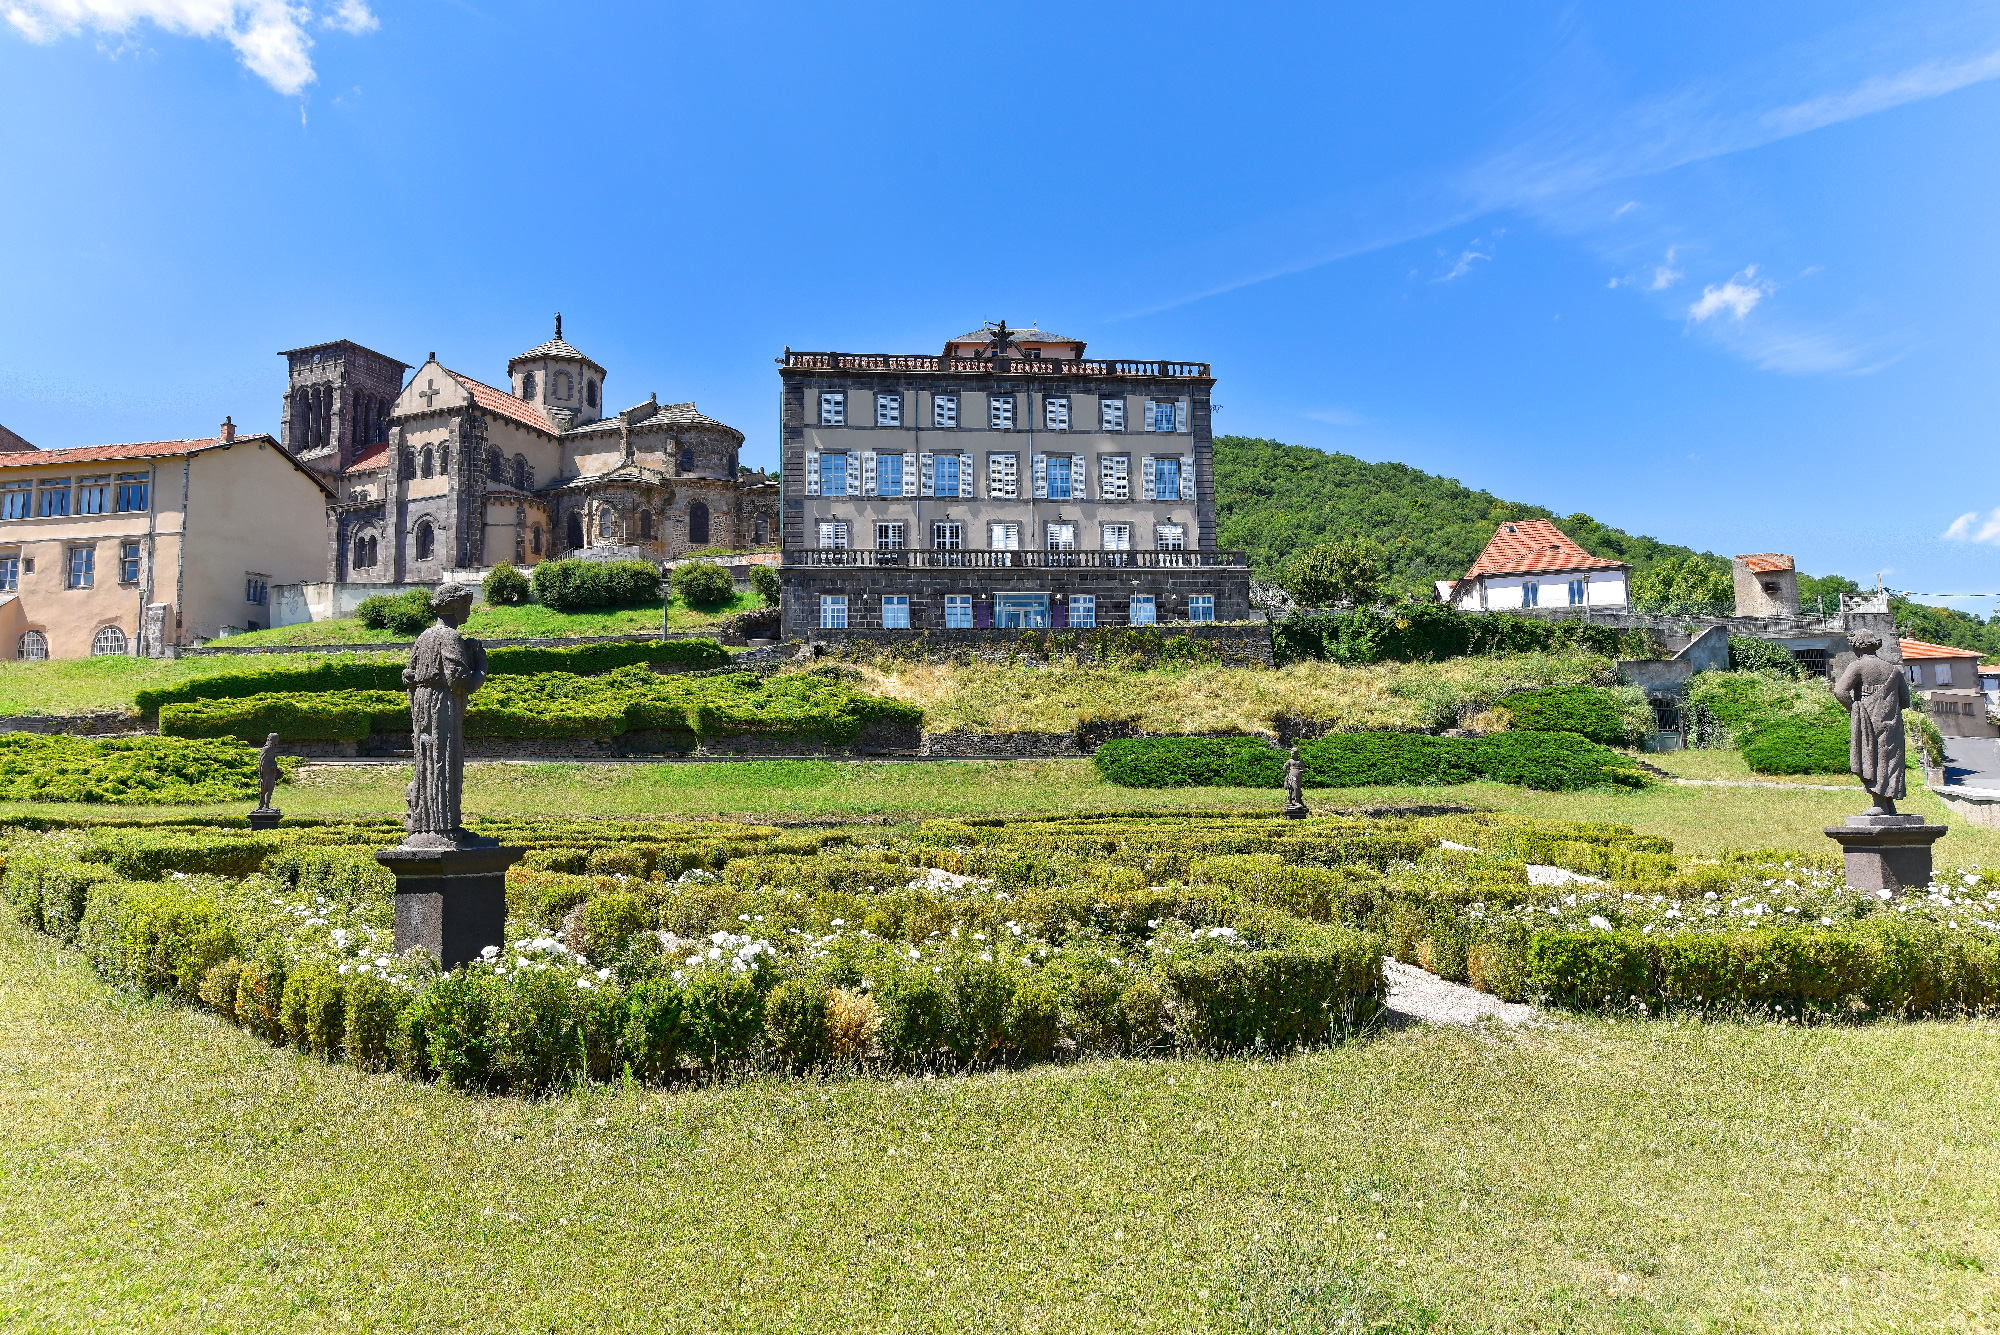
446	473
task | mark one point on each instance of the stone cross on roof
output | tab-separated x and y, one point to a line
429	392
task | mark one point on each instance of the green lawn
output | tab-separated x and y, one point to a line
167	1172
88	685
496	623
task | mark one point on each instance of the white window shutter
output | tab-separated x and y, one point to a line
910	466
1147	494
868	472
1187	479
927	466
812	472
1041	477
1079	478
1180	417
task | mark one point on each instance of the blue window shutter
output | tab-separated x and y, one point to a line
982	615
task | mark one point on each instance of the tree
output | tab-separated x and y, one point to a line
703	584
505	586
1684	583
764	579
1347	573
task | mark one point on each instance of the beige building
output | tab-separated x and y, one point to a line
125	549
1948	679
1767	585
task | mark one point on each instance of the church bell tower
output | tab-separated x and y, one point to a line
337	402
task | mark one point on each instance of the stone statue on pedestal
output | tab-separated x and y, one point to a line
445	668
266	816
1295	778
1875	693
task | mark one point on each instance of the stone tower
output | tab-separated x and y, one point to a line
566	385
337	402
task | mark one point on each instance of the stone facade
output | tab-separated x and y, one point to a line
1009	473
459	475
1238	644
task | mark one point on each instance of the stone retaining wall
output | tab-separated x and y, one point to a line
115	721
1002	745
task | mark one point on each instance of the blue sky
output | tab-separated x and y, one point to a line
1723	274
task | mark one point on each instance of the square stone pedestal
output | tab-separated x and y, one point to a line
266	818
1299	812
1887	852
452	902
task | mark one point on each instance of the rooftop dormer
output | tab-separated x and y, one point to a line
996	342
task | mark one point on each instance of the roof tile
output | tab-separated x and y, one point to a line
90	454
1925	649
1766	563
499	401
1535	546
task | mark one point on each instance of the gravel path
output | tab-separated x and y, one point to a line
1416	996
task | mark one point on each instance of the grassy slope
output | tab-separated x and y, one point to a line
83	685
493	623
166	1172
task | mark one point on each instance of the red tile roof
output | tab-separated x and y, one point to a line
90	454
1767	563
1532	547
1925	649
504	404
369	462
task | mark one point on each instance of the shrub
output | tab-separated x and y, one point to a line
153	771
373	1015
764	580
1347	573
313	1009
1555	761
703	584
400	613
1588	711
611	921
797	1022
450	1028
219	984
724	1014
656	1033
550	1029
1034	1015
1272	999
914	1013
572	585
504	586
1429	632
260	991
171	937
1175	762
1353	759
1797	744
852	1023
1747	654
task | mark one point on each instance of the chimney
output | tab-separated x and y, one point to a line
228	430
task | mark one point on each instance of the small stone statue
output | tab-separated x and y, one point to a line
1295	778
445	668
1875	693
267	772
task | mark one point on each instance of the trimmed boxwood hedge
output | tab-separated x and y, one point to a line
1587	711
349	674
1798	744
1549	760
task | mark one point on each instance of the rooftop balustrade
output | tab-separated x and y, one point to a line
929	558
1024	366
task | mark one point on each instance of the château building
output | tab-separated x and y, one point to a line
1009	481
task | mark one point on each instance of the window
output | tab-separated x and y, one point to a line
108	640
132	493
833	533
562	385
1114	477
33	644
495	466
1082	611
93	495
53	497
888	475
1916	675
763	528
444	460
535	539
953	478
520	473
128	562
1111	414
1055	412
895	612
833	611
1117	537
1003	537
1944	674
1531	594
687	459
528	385
1576	593
10	573
16	500
1000	412
646	524
607	524
1170	537
833	410
1164	477
947	537
590	392
426	540
1061	470
944	410
1142	609
425	463
359	561
573	530
889	537
957	611
1003	476
833	475
697	523
1162	415
888	410
82	571
1201	607
1062	537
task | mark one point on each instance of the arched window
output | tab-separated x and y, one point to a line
444	461
108	640
374	546
562	384
494	465
763	529
361	553
528	386
426	540
424	467
535	540
732	468
698	524
574	530
408	465
590	392
687	458
34	644
607	524
645	526
520	473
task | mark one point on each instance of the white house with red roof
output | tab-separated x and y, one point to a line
1530	563
1949	680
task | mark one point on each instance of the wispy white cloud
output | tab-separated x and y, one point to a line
1468	257
1974	527
1739	296
270	36
1665	275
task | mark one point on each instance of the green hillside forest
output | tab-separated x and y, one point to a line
1274	499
